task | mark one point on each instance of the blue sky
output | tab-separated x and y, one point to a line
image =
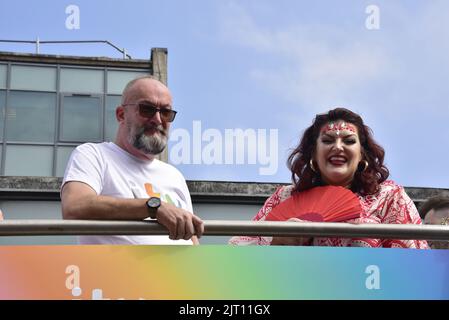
266	64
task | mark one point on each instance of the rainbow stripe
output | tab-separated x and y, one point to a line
222	272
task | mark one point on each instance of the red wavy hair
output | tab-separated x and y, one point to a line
366	181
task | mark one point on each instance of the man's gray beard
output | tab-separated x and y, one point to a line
153	144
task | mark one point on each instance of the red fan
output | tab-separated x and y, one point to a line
327	203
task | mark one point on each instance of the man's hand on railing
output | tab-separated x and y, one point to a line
180	223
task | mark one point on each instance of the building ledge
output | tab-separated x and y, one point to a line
47	188
75	60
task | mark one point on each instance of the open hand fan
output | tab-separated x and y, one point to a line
326	203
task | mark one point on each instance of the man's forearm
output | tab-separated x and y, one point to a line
106	208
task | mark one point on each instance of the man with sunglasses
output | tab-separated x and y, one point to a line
124	180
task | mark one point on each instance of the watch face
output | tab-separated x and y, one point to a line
154	202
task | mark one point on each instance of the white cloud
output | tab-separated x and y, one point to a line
319	65
323	64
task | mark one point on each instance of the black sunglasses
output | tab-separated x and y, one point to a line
147	110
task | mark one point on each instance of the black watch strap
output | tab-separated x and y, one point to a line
153	204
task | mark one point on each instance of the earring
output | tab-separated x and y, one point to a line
366	165
311	165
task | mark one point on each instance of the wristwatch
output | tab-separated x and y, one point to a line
153	204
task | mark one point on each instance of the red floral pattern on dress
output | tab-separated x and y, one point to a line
390	205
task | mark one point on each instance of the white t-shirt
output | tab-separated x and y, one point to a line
111	171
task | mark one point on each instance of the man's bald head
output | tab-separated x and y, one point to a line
135	88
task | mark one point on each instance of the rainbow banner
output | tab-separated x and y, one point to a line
213	272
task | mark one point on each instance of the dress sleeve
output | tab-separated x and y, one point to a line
400	209
270	203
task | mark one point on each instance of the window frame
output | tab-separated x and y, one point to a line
61	114
59	107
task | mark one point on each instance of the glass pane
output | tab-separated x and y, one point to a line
81	119
31	116
2	111
29	161
33	78
111	122
117	80
3	69
62	157
82	80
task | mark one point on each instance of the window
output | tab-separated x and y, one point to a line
117	80
62	157
29	160
48	110
80	118
82	80
31	116
110	120
2	111
33	78
3	70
